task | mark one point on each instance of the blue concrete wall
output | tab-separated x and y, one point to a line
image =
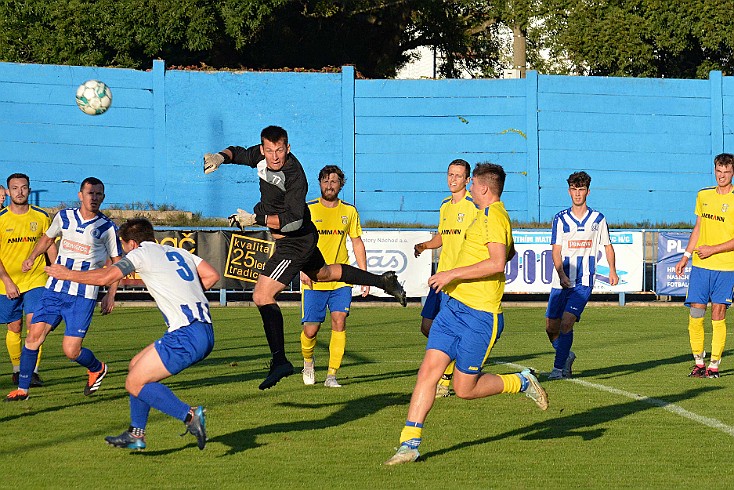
647	143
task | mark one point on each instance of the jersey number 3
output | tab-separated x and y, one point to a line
184	271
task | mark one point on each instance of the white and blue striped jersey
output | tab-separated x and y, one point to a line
84	246
580	242
170	276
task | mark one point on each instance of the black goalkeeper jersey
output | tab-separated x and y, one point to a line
282	192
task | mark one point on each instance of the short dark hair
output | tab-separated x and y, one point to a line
274	134
492	175
17	176
332	169
462	163
91	181
138	229
724	159
579	179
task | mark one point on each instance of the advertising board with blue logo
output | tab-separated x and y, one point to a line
671	245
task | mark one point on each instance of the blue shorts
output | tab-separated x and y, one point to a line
11	310
706	286
76	311
314	303
572	300
465	334
185	346
433	303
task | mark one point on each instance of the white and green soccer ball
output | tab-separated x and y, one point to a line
93	97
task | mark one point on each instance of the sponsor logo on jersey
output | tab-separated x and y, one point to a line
331	232
713	217
73	246
579	244
451	232
22	239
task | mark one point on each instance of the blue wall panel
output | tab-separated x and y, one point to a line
647	143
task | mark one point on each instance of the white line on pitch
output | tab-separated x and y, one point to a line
670	407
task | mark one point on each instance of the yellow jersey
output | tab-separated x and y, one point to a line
491	225
717	226
334	226
18	235
454	219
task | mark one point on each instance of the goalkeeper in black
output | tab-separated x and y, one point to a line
282	208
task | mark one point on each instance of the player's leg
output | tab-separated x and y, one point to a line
339	302
440	349
171	354
553	314
32	303
697	298
720	300
37	333
313	313
77	313
11	314
387	281
431	307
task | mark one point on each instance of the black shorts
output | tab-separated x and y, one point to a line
294	254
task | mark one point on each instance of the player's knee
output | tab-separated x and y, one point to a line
71	351
133	387
697	312
262	299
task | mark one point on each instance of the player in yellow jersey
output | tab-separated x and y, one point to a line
470	321
712	274
20	227
457	212
335	220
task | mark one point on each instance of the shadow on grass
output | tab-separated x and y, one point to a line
242	440
582	425
609	372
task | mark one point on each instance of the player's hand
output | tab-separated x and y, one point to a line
242	219
212	161
365	291
306	280
681	266
418	248
704	251
613	278
565	282
27	265
57	271
11	289
439	280
107	304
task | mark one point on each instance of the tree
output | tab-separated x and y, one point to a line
373	35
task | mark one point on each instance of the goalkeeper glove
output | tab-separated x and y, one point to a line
212	161
242	219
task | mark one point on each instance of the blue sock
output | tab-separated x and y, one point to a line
554	343
565	341
28	360
162	398
86	358
139	411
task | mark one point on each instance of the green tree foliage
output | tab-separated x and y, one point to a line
641	38
375	36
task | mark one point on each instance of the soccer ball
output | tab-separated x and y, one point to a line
93	97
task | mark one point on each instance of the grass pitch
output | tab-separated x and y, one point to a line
630	418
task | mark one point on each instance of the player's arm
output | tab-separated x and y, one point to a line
236	155
208	275
52	252
611	260
11	289
42	245
558	265
435	242
706	251
488	267
291	219
360	254
97	277
108	301
690	248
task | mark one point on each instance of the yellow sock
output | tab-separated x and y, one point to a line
307	347
447	374
695	333
38	361
718	340
411	432
336	350
13	343
512	383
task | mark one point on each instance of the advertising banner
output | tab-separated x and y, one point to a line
531	270
671	245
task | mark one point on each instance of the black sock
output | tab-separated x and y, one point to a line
353	275
273	326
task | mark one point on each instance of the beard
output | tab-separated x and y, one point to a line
330	196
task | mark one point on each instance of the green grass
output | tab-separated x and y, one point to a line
296	436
